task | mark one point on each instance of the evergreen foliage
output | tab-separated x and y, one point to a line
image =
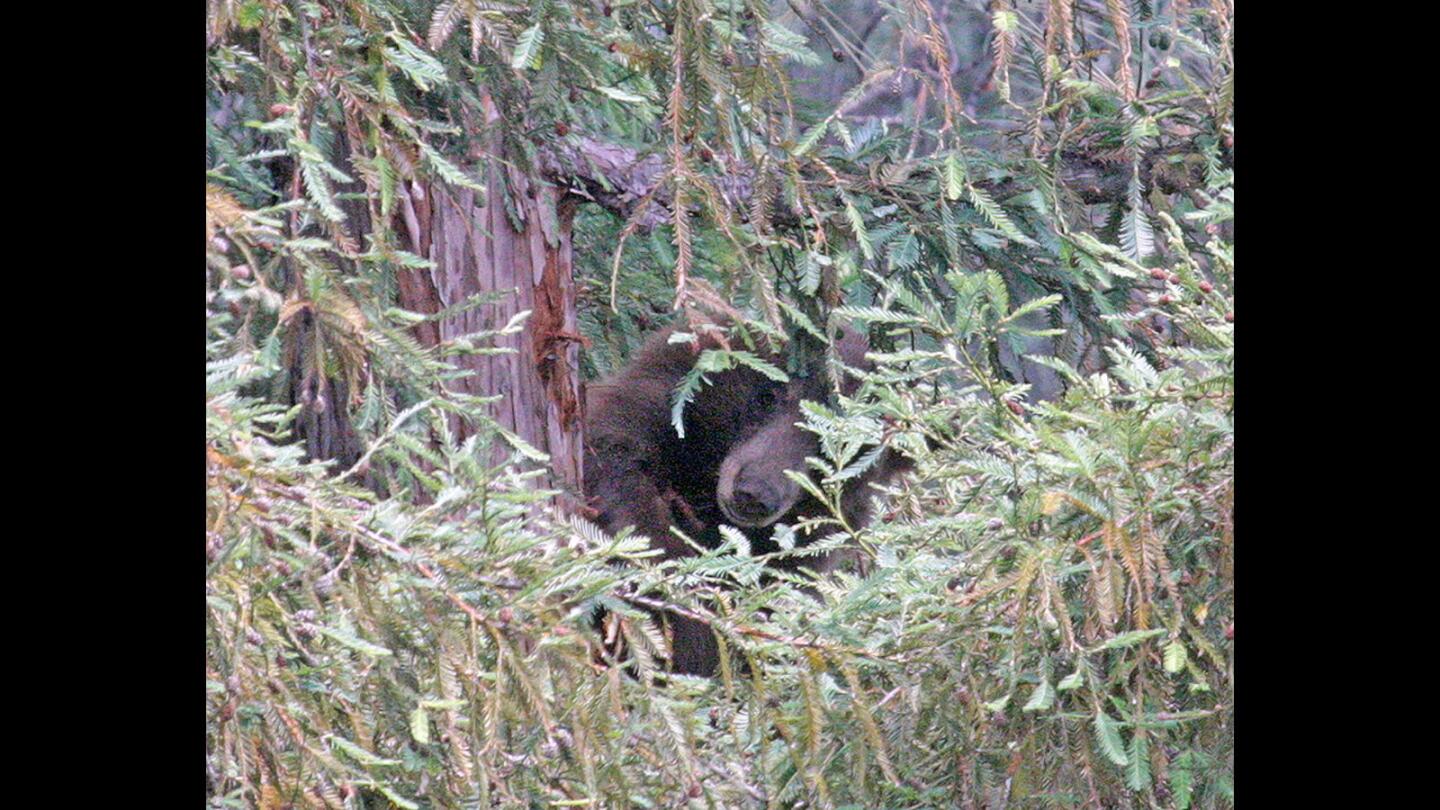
1043	613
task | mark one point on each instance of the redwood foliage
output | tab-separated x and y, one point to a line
427	222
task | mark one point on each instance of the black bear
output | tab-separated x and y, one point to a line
741	434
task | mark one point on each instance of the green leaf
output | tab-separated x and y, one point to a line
527	48
417	65
875	314
1137	773
813	270
319	191
1142	132
357	753
420	726
801	320
1181	784
857	224
954	176
786	43
525	448
621	95
1175	656
996	215
999	294
751	361
1130	639
808	141
684	392
1041	699
386	174
999	704
904	253
1043	302
356	643
1107	734
447	170
396	798
1137	235
250	15
405	258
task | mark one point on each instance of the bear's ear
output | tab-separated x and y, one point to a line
852	346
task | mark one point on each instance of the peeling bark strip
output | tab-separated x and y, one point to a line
555	337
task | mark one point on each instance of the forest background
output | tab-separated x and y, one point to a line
428	224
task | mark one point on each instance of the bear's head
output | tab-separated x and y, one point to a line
753	490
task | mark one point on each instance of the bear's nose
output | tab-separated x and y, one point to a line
755	498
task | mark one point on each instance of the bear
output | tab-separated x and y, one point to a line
741	434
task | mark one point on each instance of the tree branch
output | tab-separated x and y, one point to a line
621	179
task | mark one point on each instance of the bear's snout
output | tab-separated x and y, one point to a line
755	498
756	493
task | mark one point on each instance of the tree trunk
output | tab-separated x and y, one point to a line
476	248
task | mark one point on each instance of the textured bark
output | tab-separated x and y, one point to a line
476	248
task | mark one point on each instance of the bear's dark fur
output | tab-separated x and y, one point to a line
741	434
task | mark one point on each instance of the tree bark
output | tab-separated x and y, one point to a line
477	248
